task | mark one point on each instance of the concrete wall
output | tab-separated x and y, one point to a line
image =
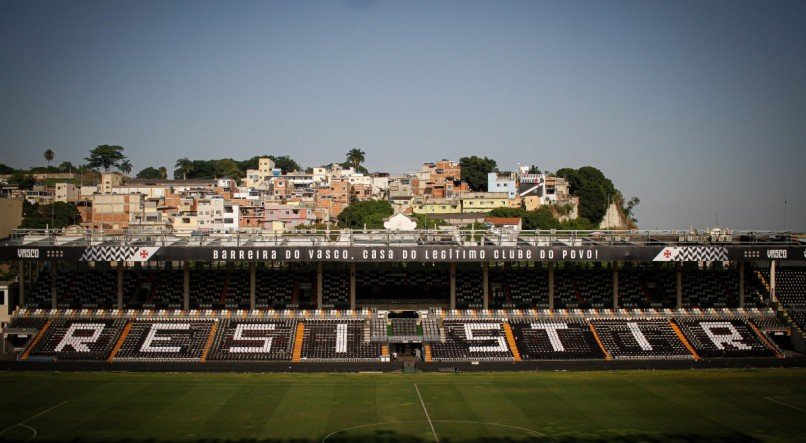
10	215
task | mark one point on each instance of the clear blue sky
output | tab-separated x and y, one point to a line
698	108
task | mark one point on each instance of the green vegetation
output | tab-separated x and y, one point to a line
22	180
227	167
542	218
355	157
149	173
184	166
285	163
125	166
475	170
629	208
49	155
626	406
62	168
424	221
106	156
595	191
369	213
360	168
56	215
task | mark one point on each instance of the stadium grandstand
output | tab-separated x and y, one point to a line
430	298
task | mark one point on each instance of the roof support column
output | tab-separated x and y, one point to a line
54	296
615	285
352	286
773	295
185	286
21	279
319	285
485	278
453	285
678	269
741	284
252	272
120	285
551	285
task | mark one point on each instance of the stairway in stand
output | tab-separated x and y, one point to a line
765	340
296	356
119	344
683	339
516	355
35	341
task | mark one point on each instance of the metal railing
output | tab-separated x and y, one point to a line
443	236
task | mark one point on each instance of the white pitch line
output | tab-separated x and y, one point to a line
22	423
426	413
785	404
32	429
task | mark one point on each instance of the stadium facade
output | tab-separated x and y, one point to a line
445	296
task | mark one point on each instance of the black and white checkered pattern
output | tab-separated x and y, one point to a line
117	253
693	253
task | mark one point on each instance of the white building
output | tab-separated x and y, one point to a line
380	186
150	191
67	192
503	182
257	178
217	215
109	180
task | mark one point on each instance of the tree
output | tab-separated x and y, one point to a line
346	165
5	169
285	163
370	213
48	156
534	169
163	172
629	207
355	157
105	156
426	222
541	218
125	166
185	166
475	170
22	180
149	173
66	167
227	167
595	191
56	215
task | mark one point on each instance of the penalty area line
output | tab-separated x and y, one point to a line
22	423
785	404
430	423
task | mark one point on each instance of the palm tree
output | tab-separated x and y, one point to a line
48	157
163	172
125	166
355	157
185	165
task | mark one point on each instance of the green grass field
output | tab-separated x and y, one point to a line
702	405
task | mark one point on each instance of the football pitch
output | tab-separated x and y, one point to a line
701	405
